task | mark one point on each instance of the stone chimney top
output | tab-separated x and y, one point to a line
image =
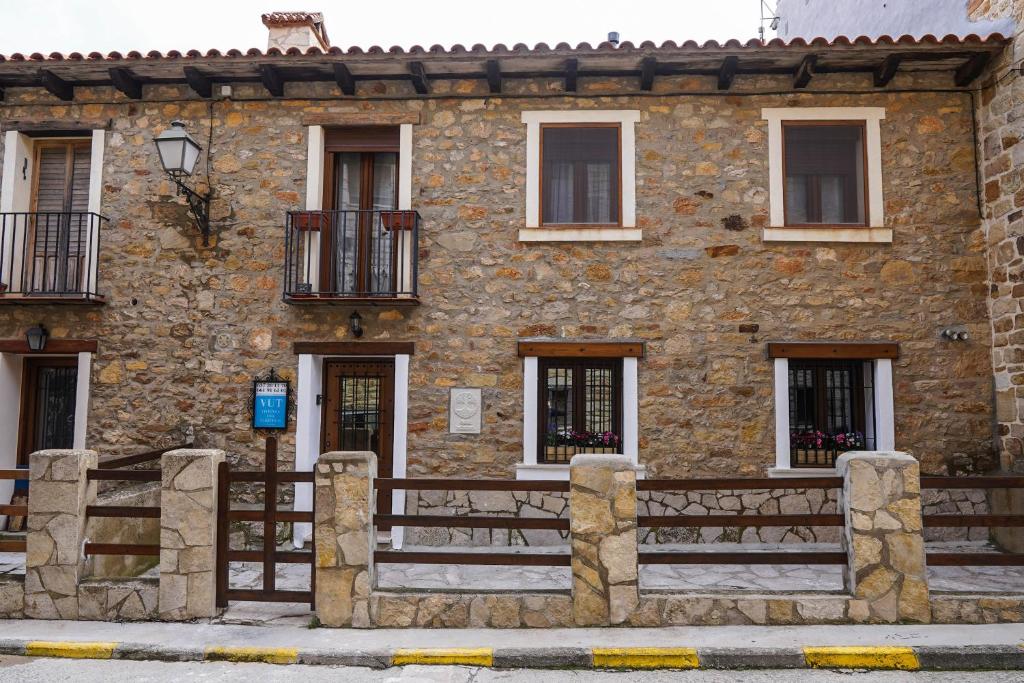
296	29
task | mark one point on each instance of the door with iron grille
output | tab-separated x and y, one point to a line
48	405
359	412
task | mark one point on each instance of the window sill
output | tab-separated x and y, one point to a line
793	472
828	234
558	472
580	234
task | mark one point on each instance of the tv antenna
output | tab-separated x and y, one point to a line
768	16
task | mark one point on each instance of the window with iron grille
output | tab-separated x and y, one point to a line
580	407
831	410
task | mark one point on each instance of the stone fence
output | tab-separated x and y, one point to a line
885	578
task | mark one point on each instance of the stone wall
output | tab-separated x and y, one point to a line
186	327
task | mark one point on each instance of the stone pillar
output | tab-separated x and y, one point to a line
188	534
343	537
602	524
54	561
883	539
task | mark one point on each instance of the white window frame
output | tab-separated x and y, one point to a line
884	425
627	120
530	467
875	230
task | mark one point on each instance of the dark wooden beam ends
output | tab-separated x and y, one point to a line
648	65
272	80
886	70
971	69
838	350
494	75
418	75
56	85
353	348
727	72
343	77
572	66
804	72
52	346
126	82
581	349
200	83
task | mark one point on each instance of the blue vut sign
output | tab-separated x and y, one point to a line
270	405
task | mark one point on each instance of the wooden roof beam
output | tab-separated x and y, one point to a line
57	86
805	71
572	66
886	70
727	72
343	77
272	80
494	75
125	81
198	81
648	65
971	69
418	74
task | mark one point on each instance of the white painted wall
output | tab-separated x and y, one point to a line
307	436
15	195
10	409
873	18
82	384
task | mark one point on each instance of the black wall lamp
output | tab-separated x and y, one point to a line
36	337
354	324
179	153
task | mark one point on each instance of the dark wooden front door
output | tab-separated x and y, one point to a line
47	405
359	398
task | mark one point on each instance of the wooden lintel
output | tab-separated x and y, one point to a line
581	349
838	350
370	118
52	346
418	75
200	83
272	80
804	72
494	75
886	70
647	67
126	82
343	77
727	72
56	85
353	348
41	128
971	69
572	65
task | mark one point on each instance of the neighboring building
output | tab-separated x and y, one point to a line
715	259
829	19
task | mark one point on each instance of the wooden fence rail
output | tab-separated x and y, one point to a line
984	559
13	546
737	484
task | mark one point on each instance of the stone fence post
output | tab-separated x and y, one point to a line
885	573
343	537
188	534
54	561
602	528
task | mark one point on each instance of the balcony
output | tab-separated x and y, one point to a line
360	256
50	257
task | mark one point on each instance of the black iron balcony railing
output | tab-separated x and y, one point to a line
351	256
50	256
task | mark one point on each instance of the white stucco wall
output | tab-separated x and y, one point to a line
830	18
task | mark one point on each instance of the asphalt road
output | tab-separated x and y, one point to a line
24	669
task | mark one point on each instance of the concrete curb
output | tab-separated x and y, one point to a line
880	658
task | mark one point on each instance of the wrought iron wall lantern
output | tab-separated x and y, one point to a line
355	324
36	337
179	153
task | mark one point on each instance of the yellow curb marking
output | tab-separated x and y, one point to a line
46	648
645	658
266	655
467	656
862	657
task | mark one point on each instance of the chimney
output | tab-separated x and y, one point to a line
296	29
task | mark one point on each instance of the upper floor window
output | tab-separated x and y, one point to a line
825	174
580	173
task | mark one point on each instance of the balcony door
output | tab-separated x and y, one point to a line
360	253
60	229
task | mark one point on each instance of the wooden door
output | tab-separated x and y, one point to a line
358	412
60	235
47	405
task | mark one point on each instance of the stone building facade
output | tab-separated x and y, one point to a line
700	281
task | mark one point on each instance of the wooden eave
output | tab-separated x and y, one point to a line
962	60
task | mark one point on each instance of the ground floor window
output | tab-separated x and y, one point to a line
830	410
580	407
